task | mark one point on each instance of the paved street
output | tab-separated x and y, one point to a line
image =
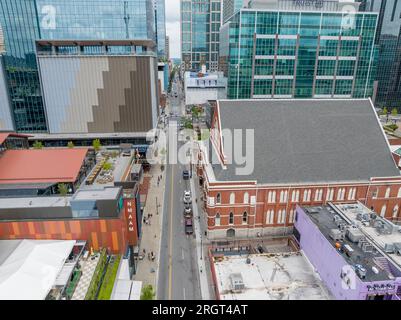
178	274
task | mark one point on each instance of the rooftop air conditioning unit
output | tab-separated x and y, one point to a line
237	283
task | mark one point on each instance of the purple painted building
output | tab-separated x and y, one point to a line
351	266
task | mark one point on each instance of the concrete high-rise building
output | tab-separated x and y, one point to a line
388	38
32	20
287	49
108	92
200	26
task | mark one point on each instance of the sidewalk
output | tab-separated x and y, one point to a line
147	270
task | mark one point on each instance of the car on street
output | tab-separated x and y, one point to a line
189	229
187	197
188	210
185	174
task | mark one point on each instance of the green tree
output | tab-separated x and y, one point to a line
70	144
394	111
147	293
96	145
62	189
385	111
38	145
107	166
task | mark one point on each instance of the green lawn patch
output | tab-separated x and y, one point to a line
109	279
97	276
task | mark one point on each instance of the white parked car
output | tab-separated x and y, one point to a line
187	197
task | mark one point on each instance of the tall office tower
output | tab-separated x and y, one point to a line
200	26
24	21
230	7
297	49
388	39
168	47
6	121
160	27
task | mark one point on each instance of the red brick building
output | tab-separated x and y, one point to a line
306	152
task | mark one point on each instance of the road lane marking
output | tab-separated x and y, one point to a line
170	275
183	289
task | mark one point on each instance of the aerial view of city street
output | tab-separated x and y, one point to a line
219	151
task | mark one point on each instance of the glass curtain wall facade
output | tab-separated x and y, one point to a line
389	41
160	27
284	54
200	27
96	19
24	21
20	24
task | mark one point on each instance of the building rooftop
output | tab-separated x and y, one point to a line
306	140
22	275
287	276
110	193
5	135
41	166
380	231
355	250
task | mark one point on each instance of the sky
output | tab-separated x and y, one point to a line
173	27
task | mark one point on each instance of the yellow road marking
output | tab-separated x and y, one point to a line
170	265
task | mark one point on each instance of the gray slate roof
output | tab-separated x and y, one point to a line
299	141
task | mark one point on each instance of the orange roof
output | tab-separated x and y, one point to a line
41	166
5	135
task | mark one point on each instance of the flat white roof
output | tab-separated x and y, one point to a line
34	202
287	276
31	269
97	194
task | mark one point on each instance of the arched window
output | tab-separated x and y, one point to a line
271	198
270	217
318	194
246	197
218	198
399	193
330	194
232	198
395	211
387	195
245	218
283	196
341	194
351	194
217	219
383	211
307	194
231	219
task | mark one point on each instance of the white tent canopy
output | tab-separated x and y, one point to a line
31	268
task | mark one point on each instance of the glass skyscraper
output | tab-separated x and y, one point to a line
300	54
160	27
200	26
19	20
388	39
24	21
